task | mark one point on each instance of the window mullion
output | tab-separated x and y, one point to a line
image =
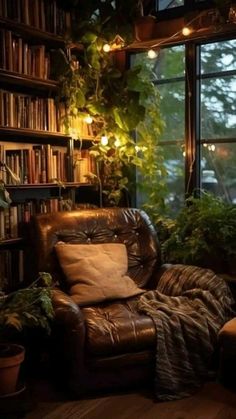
192	121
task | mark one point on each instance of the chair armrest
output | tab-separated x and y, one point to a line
68	331
153	282
227	336
66	311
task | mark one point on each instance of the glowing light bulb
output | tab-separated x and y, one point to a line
104	140
152	54
186	31
88	119
106	48
117	143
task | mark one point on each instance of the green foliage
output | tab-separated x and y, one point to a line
204	234
28	308
119	102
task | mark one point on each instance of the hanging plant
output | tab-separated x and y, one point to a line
120	103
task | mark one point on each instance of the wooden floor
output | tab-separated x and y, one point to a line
213	401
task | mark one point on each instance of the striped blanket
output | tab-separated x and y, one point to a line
189	307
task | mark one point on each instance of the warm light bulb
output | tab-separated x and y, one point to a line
186	31
88	119
117	143
152	54
106	48
104	140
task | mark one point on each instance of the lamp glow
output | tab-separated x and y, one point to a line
88	119
104	140
106	48
186	31
117	143
152	54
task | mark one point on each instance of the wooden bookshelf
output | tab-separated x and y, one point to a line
29	33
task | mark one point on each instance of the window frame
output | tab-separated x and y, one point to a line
193	141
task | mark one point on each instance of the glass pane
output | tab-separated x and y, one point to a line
167	4
218	170
172	107
170	63
218	108
141	59
174	163
218	56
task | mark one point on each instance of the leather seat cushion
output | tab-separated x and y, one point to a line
117	327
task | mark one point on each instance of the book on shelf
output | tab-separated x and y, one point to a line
34	163
44	15
11	269
84	166
33	112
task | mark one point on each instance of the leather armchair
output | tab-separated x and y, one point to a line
109	344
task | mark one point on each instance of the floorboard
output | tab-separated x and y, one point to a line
213	401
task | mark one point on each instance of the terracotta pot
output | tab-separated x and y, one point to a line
11	356
144	28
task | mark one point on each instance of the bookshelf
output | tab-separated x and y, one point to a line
51	167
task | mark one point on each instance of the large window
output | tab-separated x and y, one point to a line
217	80
197	85
168	71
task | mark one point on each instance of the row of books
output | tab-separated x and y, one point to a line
34	163
25	111
14	218
18	56
41	14
44	163
43	114
84	166
11	269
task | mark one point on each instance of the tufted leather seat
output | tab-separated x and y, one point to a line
109	344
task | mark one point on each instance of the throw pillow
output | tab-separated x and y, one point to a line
96	272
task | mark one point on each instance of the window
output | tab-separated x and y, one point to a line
169	4
210	142
217	80
169	77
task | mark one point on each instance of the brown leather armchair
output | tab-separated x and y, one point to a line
110	344
106	345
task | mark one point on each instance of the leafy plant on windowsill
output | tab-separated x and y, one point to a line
204	234
27	308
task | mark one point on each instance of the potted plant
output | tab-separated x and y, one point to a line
21	312
204	234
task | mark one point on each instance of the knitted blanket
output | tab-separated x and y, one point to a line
188	308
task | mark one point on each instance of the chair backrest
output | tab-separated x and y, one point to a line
130	226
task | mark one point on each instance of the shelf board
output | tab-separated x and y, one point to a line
11	242
30	133
34	134
32	33
11	77
48	185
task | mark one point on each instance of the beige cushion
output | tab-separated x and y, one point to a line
96	272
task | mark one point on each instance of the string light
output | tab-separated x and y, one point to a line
117	143
106	48
104	140
186	31
88	119
152	54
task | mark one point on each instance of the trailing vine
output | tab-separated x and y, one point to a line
121	103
